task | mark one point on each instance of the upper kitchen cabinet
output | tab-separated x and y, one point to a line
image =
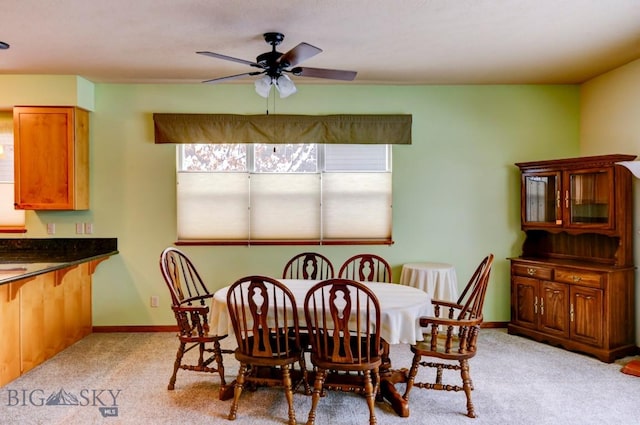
578	208
51	158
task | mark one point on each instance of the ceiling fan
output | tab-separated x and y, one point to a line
275	66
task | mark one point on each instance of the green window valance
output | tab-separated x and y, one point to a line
230	128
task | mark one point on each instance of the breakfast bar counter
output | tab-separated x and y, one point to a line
45	297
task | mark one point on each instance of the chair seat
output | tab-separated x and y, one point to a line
370	365
293	357
454	352
204	339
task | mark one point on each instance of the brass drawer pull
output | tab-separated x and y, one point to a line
576	278
531	271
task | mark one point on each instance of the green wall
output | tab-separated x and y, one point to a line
456	190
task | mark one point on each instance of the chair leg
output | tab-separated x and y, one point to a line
467	386
176	366
411	377
305	375
288	392
237	390
317	392
217	352
370	395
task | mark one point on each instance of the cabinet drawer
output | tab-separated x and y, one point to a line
531	271
579	277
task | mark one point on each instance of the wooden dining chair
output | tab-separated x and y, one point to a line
189	302
366	268
264	316
308	265
451	337
343	320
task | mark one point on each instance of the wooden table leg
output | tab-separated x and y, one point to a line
390	393
388	378
226	391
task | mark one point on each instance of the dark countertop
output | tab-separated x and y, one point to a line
21	258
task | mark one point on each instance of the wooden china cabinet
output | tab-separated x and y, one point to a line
573	285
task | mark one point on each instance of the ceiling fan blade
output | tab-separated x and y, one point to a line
232	77
230	58
332	74
301	52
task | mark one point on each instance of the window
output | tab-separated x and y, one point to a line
11	220
279	193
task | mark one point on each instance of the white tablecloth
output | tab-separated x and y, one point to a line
401	307
437	279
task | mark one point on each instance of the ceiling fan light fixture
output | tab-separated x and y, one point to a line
263	85
285	86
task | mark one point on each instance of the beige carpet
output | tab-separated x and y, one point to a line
121	378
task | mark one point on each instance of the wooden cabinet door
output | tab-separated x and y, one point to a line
53	317
51	158
588	198
540	199
524	301
33	350
586	313
10	367
554	308
72	282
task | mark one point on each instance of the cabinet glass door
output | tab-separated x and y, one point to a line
541	199
588	198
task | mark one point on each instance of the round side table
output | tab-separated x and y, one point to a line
437	279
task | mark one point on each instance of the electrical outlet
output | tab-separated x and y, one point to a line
51	228
88	228
155	301
79	229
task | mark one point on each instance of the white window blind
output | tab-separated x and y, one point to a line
10	218
285	192
213	206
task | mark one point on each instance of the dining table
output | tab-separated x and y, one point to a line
401	308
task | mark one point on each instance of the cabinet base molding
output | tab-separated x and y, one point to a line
605	355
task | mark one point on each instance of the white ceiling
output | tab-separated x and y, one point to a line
386	41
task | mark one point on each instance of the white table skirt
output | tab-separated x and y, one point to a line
401	307
437	279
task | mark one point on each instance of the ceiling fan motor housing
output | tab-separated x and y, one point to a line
269	60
